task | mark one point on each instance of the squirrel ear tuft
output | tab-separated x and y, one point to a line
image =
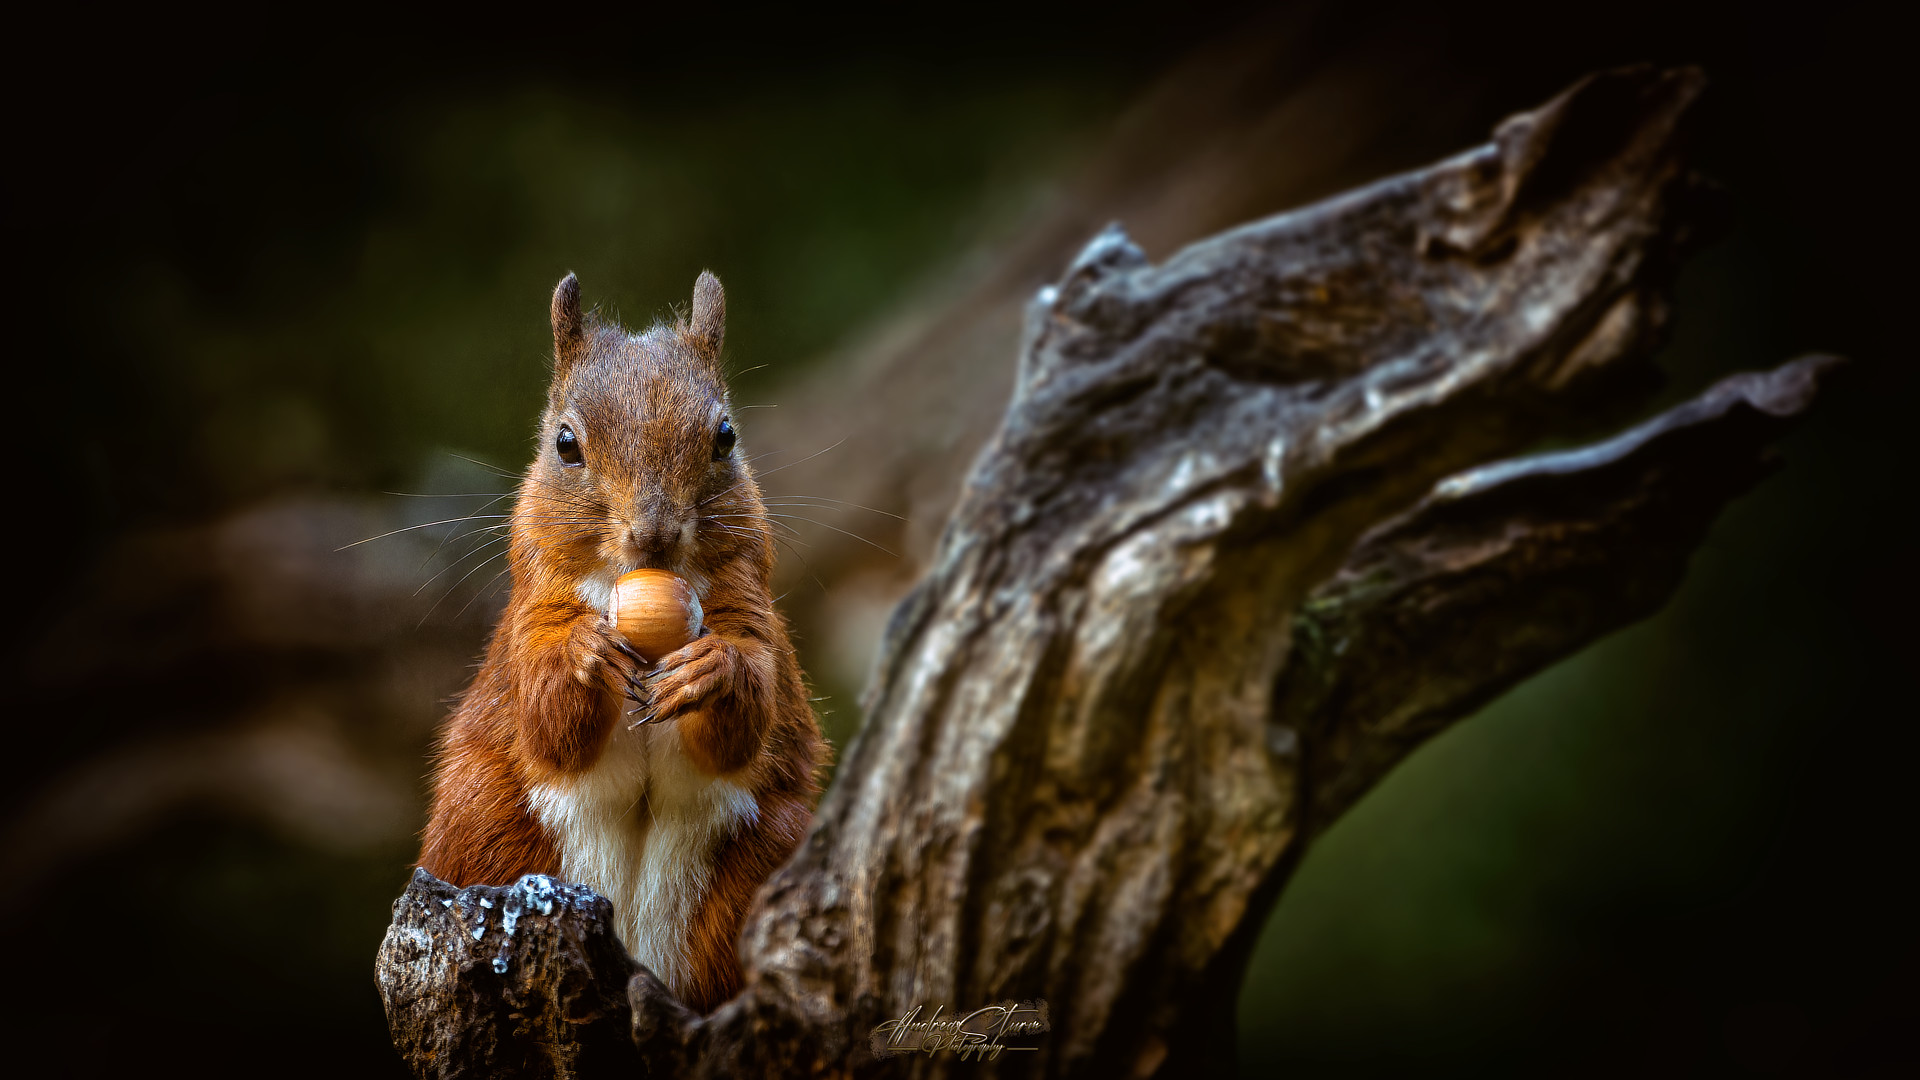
707	325
569	338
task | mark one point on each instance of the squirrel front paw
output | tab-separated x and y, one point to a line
603	659
685	678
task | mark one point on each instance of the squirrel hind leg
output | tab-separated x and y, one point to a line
481	831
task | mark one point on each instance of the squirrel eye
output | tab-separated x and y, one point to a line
723	441
567	445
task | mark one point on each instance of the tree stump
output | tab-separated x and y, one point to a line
523	980
1251	531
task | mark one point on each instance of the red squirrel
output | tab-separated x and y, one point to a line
679	813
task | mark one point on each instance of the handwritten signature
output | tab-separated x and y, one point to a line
976	1035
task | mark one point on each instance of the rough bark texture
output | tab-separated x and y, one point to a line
1503	569
522	980
1234	552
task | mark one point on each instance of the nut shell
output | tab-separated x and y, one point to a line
656	611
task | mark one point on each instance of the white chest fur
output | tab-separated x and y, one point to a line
641	828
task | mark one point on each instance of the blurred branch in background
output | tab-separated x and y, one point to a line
322	641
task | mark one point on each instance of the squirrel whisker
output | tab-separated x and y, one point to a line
780	500
842	532
482	590
464	556
474	516
410	528
456	585
787	542
485	465
809	457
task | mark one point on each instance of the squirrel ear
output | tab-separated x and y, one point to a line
707	326
568	336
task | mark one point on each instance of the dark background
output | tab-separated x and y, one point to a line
262	274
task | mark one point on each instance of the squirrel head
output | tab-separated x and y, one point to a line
637	464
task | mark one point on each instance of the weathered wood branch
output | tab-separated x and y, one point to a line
524	980
1233	553
1504	568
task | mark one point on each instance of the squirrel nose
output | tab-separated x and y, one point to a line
651	536
655	528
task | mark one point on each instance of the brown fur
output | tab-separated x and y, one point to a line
555	682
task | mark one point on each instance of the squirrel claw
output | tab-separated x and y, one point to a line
637	692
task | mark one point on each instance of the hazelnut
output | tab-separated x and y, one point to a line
656	611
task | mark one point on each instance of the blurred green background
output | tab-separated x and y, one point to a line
256	288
